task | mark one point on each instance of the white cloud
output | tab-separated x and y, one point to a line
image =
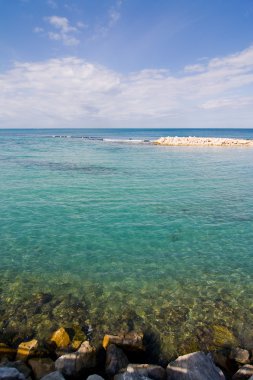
64	31
113	16
194	68
52	4
73	92
38	29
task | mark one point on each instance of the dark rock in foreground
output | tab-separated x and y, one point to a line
8	373
244	373
56	375
195	366
115	360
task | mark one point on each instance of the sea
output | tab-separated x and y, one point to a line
103	232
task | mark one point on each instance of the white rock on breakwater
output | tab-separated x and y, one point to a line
202	141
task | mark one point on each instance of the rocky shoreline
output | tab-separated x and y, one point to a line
117	357
203	141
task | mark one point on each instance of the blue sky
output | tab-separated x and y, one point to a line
126	63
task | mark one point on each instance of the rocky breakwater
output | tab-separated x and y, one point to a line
117	358
203	141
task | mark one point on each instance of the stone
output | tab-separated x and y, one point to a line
222	336
20	366
8	373
76	344
155	372
61	338
197	366
6	351
221	359
56	375
41	367
130	376
115	360
131	341
73	363
240	355
26	348
94	377
244	373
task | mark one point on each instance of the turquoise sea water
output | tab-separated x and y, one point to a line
108	236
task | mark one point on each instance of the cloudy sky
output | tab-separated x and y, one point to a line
126	63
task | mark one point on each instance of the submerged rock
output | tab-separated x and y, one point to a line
6	351
222	336
61	338
115	360
26	348
197	366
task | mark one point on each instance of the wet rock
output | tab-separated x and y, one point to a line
130	341
221	359
94	377
7	373
56	375
239	355
244	373
6	351
61	338
197	366
74	363
222	336
155	372
115	360
40	300
20	366
76	344
130	376
41	366
26	348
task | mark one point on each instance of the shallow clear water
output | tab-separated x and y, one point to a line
125	236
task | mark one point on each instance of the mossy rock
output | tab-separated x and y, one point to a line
222	336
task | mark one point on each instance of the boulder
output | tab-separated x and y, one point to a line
20	366
41	367
131	341
154	372
222	359
61	338
7	352
239	355
94	377
8	373
115	360
130	376
244	373
25	349
56	375
73	363
197	366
